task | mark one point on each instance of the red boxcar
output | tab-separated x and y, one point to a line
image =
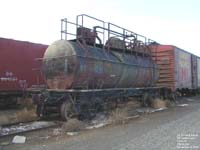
177	67
18	66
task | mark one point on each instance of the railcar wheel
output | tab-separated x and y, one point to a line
66	110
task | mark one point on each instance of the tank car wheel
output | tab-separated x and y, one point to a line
66	110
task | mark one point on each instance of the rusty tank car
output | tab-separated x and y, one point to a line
101	65
67	65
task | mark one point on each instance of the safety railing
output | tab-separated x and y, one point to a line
104	31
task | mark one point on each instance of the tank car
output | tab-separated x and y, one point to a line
99	66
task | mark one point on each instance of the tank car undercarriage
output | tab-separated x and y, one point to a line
86	103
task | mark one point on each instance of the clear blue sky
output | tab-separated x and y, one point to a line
174	22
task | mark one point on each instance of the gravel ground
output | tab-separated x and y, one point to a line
174	128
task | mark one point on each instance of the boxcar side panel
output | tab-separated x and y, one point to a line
183	75
198	71
194	72
18	65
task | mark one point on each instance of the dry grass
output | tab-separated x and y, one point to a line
168	103
158	103
122	114
73	125
133	104
27	114
17	116
118	116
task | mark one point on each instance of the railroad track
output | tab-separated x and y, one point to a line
27	127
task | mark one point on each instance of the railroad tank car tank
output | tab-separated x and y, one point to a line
67	64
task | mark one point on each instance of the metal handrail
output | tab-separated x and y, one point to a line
82	15
127	36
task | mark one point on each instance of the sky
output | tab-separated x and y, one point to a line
172	22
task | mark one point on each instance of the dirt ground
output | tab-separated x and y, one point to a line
164	130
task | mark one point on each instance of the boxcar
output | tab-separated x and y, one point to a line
178	68
18	67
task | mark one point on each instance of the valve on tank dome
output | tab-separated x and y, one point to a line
87	35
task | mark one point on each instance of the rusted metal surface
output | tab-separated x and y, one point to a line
68	65
175	67
164	57
19	69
